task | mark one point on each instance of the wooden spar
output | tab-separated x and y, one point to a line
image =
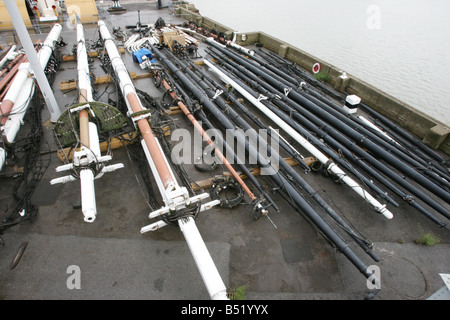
209	141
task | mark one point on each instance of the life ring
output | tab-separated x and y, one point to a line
316	68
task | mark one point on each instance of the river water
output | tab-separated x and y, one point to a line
401	47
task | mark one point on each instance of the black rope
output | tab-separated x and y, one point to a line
35	164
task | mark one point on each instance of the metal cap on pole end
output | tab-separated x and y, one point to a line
89	215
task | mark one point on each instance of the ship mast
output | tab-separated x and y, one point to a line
176	197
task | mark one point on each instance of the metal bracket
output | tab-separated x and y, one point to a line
183	204
136	116
262	97
82	107
218	93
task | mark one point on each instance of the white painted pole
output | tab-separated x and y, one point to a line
18	97
88	203
369	124
210	275
2	158
241	48
9	56
84	80
332	167
35	65
203	260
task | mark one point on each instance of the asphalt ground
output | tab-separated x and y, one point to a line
278	257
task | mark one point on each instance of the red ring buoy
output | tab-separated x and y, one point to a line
316	67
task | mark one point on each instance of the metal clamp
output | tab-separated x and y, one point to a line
82	107
218	93
261	97
136	116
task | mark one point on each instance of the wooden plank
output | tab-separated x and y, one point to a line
166	130
115	144
91	54
199	62
207	183
135	76
102	79
71	85
67	85
173	110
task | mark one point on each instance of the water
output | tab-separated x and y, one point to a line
401	47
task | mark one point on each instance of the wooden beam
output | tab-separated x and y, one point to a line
72	84
199	62
207	183
173	110
91	54
115	144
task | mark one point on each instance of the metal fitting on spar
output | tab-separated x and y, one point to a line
332	168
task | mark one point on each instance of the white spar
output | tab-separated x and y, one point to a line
331	166
175	196
22	88
2	158
89	151
16	101
10	55
369	124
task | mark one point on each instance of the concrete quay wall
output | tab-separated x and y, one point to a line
431	131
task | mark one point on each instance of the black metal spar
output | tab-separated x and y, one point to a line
298	118
277	177
277	88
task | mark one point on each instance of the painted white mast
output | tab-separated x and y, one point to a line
88	155
18	97
175	197
35	65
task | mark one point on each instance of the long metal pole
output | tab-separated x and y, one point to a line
35	65
210	275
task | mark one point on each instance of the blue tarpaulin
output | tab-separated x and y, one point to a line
137	55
